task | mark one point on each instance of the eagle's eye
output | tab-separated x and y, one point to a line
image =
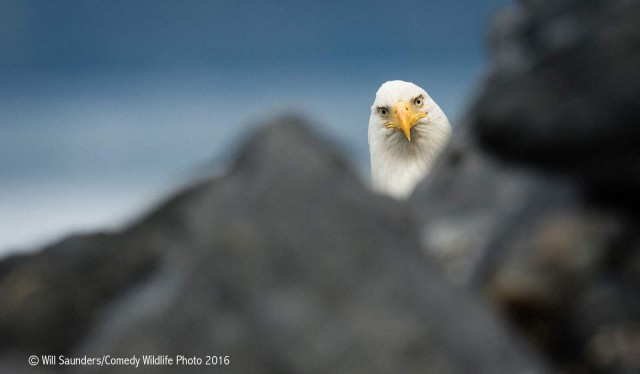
418	101
383	111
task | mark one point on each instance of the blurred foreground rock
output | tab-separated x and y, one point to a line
565	91
287	264
537	200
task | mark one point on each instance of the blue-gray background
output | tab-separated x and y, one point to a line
106	106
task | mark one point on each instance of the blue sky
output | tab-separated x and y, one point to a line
94	34
107	106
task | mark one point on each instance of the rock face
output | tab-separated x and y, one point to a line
287	264
536	201
564	91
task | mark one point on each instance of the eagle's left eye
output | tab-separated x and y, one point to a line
418	101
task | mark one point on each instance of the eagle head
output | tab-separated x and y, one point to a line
407	131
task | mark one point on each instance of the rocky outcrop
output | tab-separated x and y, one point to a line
562	266
564	92
286	264
536	201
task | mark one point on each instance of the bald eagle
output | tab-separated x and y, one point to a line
407	131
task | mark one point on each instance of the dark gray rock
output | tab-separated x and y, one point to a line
564	92
287	264
536	201
535	244
63	287
473	204
563	267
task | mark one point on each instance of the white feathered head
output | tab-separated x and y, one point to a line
407	131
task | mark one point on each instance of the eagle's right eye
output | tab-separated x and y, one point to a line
383	111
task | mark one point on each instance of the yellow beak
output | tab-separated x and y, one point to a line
404	118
